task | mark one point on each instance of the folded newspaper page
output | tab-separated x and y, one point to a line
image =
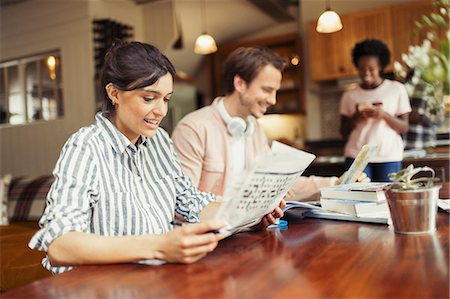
261	188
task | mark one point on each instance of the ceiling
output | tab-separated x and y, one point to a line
9	2
276	9
226	21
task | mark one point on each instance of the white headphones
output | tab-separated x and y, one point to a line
236	126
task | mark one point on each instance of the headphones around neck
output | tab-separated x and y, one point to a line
236	126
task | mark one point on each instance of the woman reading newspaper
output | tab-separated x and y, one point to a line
118	182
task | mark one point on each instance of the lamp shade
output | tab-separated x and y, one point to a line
329	22
205	44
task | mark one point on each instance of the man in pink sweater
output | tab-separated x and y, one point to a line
217	142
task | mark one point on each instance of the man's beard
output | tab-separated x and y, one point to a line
246	104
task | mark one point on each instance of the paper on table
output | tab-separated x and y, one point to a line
444	204
261	188
313	211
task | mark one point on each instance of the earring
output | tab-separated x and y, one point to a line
113	103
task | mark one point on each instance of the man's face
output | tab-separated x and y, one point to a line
261	93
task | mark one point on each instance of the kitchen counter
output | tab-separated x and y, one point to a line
438	159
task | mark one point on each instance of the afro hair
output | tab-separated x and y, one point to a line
371	47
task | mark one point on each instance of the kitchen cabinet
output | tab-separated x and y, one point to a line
334	165
439	162
404	17
374	24
290	96
330	53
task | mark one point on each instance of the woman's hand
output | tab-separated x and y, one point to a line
190	242
377	112
369	110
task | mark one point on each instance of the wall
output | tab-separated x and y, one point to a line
38	26
122	11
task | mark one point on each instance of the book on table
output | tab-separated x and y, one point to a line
297	210
371	191
355	207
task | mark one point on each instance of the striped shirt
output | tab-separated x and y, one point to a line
108	186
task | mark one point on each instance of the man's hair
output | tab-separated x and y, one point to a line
371	47
247	62
132	66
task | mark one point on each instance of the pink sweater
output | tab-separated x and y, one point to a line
202	143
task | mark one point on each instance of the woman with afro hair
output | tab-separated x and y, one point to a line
375	112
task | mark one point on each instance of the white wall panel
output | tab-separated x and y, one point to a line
39	26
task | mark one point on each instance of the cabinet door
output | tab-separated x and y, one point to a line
330	53
373	24
404	17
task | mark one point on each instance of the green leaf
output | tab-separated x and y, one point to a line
441	3
439	20
403	179
419	25
428	22
445	49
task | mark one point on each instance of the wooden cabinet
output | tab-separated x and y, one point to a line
404	17
331	53
438	162
290	95
334	166
373	24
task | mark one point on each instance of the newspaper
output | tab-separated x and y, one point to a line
261	188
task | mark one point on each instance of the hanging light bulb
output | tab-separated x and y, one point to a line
205	43
329	21
51	64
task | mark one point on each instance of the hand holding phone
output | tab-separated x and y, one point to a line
359	164
369	109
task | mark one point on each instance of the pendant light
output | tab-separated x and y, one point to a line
329	21
205	43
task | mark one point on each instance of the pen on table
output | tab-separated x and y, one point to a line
178	223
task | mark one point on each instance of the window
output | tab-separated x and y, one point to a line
31	89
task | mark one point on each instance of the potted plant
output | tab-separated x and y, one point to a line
425	70
413	200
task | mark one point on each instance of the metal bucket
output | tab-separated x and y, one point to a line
413	211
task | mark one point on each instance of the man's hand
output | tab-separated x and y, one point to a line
363	178
270	218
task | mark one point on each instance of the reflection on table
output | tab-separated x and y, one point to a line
311	259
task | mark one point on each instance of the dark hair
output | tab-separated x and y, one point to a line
371	47
131	66
247	62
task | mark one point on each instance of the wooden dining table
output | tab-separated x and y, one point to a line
312	258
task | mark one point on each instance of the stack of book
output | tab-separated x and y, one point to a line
358	200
